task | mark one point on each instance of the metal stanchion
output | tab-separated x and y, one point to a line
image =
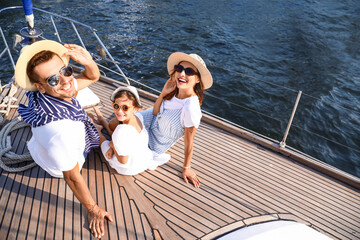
283	142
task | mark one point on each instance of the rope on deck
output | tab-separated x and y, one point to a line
7	157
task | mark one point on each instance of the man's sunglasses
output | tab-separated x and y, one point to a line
188	71
54	80
124	108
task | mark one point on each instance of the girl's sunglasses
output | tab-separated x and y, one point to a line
124	108
54	80
188	71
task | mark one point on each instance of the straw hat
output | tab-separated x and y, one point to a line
27	52
196	60
127	88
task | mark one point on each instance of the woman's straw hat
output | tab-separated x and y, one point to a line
27	52
196	60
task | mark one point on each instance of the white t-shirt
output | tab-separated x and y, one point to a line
58	146
129	142
191	113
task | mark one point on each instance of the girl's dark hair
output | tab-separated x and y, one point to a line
198	89
129	95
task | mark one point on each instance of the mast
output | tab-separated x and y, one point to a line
30	33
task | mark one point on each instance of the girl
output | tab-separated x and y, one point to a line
128	152
176	112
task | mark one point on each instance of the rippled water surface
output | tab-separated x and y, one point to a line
260	53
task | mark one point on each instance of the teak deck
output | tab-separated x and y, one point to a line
242	183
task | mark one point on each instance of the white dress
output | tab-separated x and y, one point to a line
129	142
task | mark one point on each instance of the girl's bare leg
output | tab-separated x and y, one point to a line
102	137
113	123
101	120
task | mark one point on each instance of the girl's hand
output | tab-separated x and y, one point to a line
110	152
189	174
169	86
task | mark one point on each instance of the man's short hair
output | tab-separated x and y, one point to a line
37	59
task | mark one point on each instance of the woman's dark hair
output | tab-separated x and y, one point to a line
129	95
198	89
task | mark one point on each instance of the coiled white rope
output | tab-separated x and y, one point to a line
7	157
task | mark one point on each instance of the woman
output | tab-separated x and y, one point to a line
176	112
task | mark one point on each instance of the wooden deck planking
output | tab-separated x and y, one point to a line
302	174
284	171
16	198
238	186
181	207
109	202
44	208
261	166
11	203
118	215
228	187
289	181
36	206
60	210
224	194
51	223
280	178
310	190
27	206
284	162
148	233
84	218
144	205
290	199
68	213
225	184
19	208
221	203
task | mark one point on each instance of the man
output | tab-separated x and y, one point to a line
62	132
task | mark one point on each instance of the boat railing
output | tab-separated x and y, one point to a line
104	59
74	24
295	98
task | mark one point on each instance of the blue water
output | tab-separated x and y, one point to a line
260	53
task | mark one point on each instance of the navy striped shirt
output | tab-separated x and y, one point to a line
43	109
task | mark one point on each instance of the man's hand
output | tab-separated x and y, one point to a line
96	215
79	54
96	220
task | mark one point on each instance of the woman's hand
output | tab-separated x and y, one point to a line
96	220
169	86
189	174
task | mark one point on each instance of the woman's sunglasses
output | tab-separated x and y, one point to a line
54	80
188	71
124	108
